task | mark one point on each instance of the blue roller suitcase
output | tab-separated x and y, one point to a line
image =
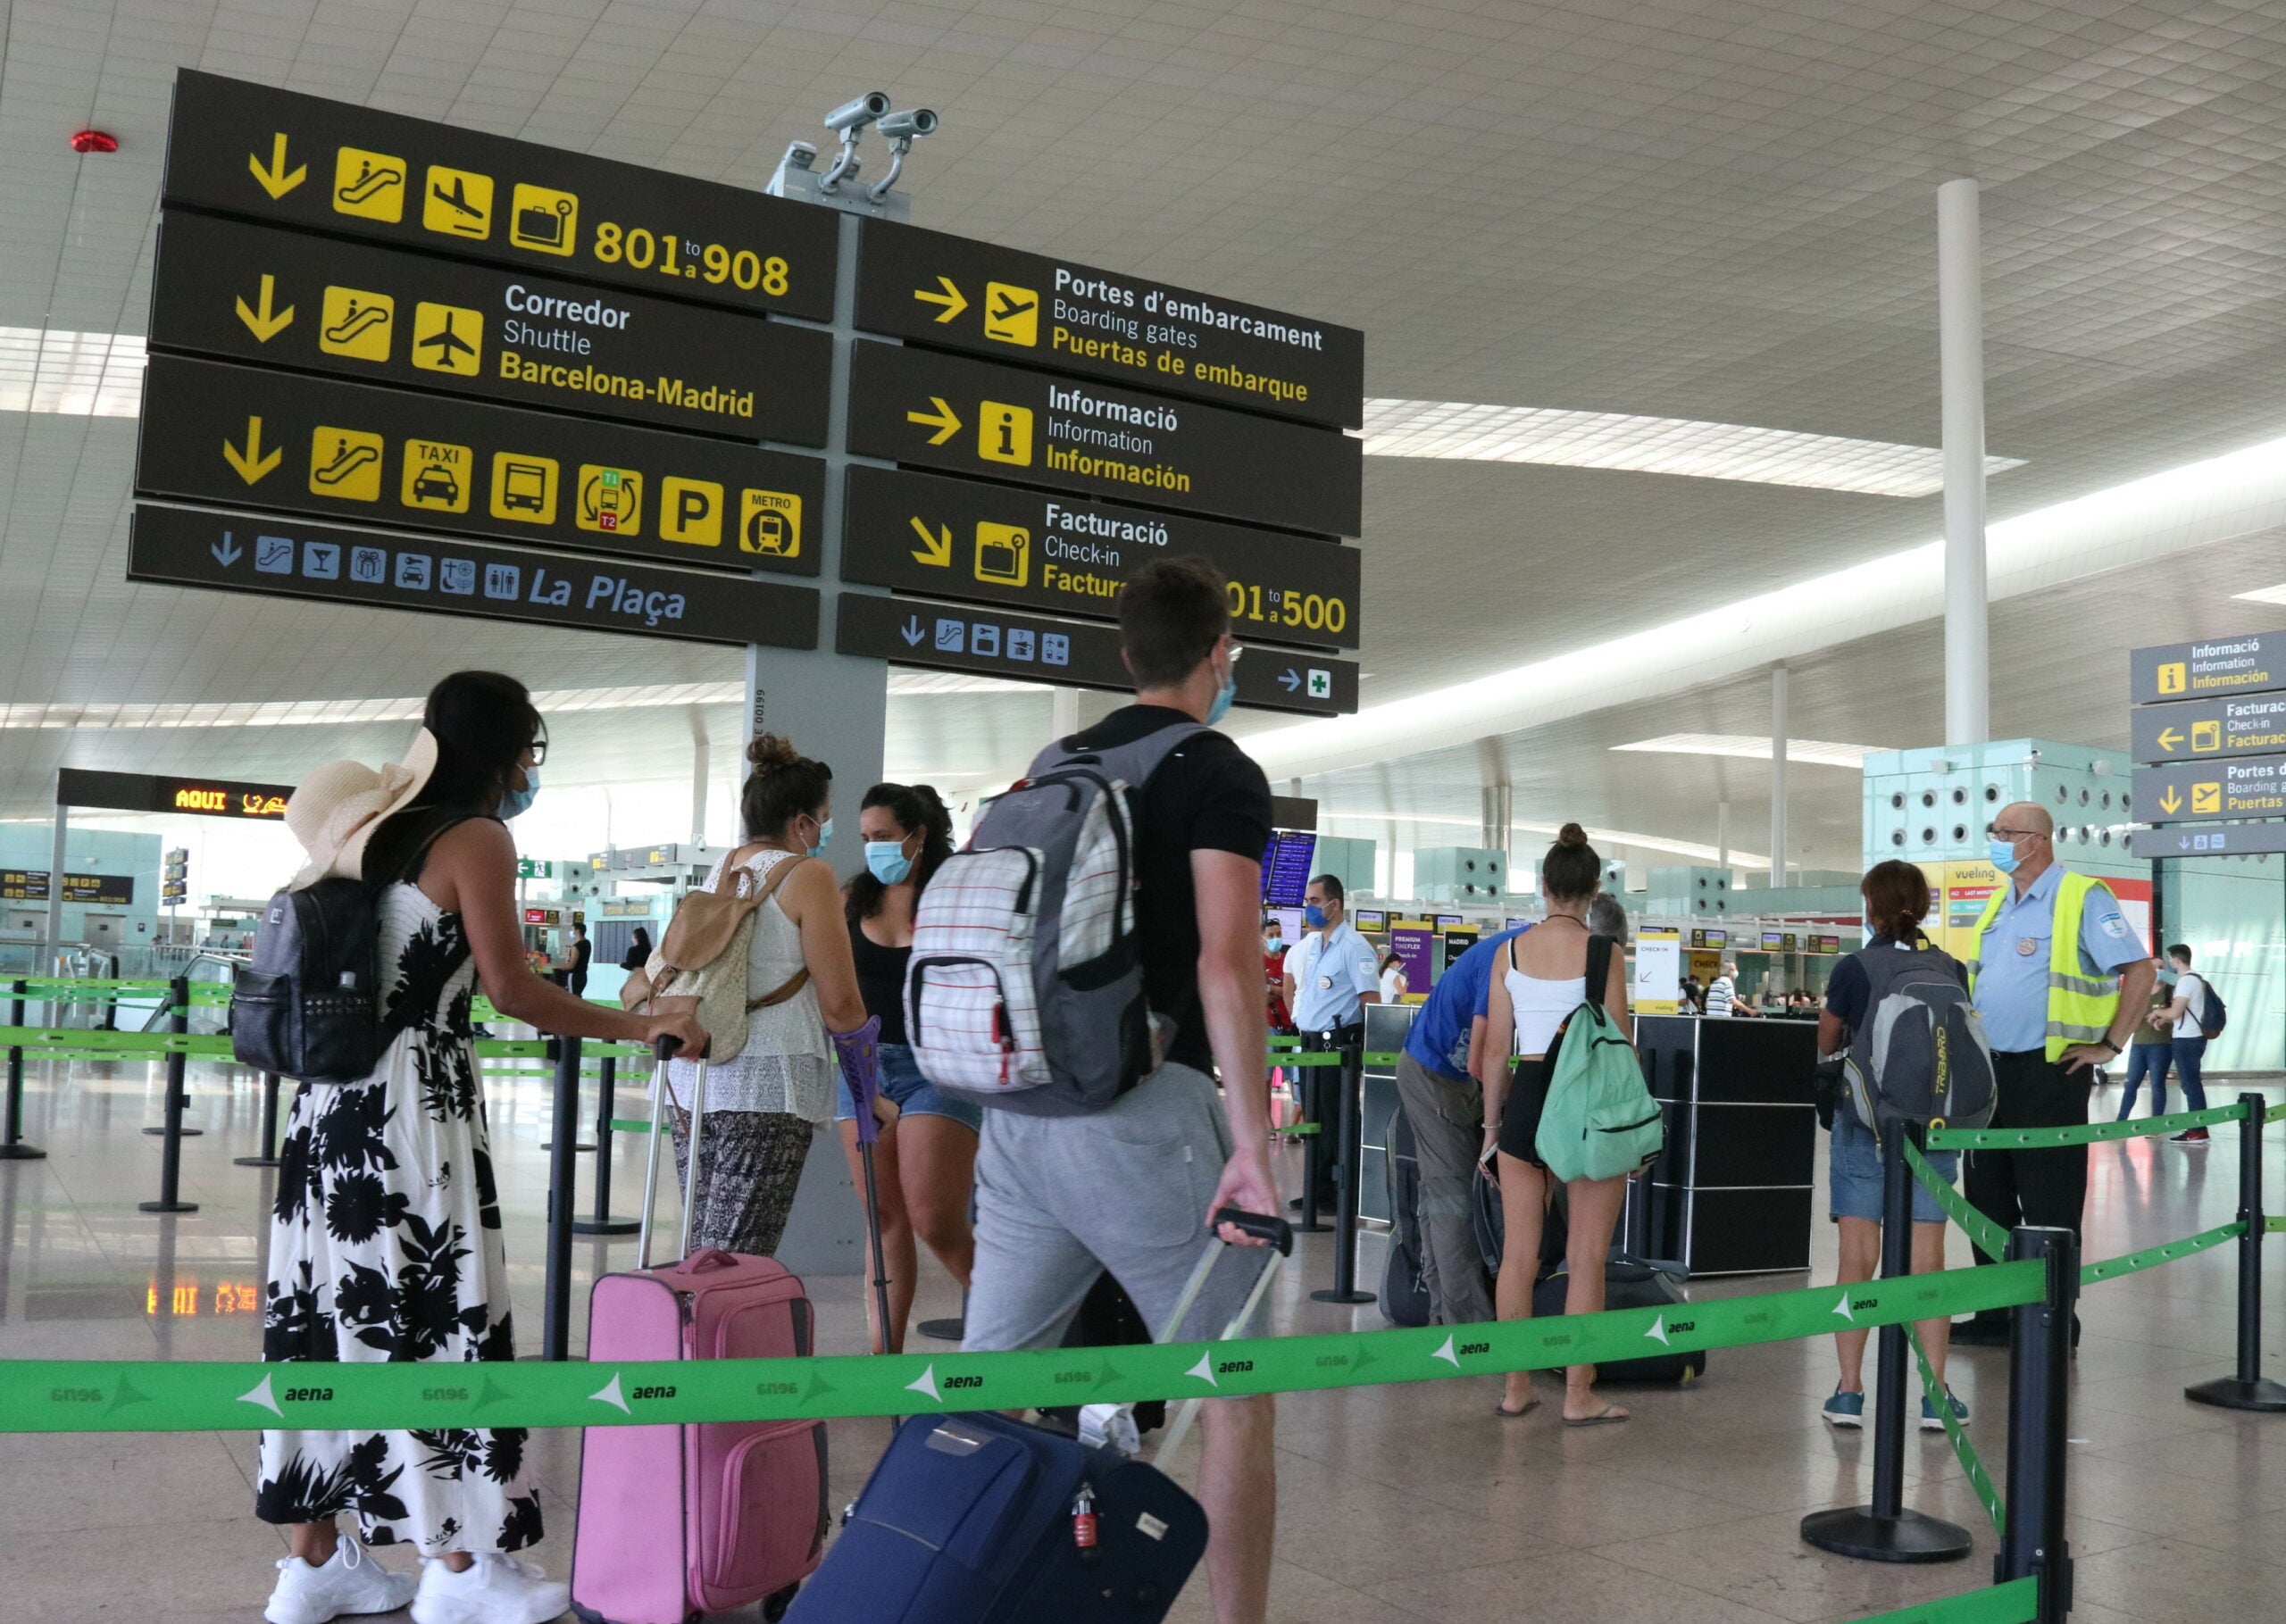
977	1519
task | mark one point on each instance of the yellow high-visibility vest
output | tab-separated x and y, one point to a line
2081	1008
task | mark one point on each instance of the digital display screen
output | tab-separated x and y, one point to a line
1446	920
1371	919
1285	867
1773	941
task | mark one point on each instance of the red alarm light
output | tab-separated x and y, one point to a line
95	141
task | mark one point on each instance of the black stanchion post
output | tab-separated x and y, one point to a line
179	1022
602	1222
1885	1531
1349	1078
2249	1388
1314	1151
555	1330
2040	1418
269	1156
178	1096
12	1147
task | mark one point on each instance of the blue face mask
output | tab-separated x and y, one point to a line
1313	917
825	836
1223	696
516	801
887	860
2167	976
2002	854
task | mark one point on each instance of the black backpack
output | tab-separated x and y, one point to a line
307	1004
2213	1017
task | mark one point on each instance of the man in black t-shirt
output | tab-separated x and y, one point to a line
1130	1188
576	975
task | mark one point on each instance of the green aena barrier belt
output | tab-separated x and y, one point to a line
81	1396
2078	1133
2017	1602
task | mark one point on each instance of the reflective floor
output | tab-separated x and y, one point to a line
1396	1503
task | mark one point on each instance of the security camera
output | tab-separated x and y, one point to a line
855	115
906	126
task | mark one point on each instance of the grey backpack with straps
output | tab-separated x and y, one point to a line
1025	987
1920	1054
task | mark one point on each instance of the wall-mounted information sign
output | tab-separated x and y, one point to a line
2253	662
141	792
1034	311
276	440
326	166
287	558
1000	422
1000	543
290	299
2253	788
30	886
2200	728
1069	653
1285	867
2228	840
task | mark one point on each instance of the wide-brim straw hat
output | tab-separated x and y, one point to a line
336	809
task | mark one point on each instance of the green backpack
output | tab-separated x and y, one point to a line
1599	1121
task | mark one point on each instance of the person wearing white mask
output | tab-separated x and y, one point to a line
925	1159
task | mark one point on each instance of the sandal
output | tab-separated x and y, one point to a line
1500	1408
1610	1415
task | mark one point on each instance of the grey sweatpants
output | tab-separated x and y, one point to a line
1448	1120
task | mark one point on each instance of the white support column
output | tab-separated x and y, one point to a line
1722	835
1960	361
701	761
1063	712
1778	774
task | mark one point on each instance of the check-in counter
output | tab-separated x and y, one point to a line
1734	1191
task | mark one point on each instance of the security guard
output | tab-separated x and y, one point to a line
1330	977
2060	981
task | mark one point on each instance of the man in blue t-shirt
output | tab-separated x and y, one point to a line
1436	1081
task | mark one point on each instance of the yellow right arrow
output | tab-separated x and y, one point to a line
944	422
936	547
2169	740
261	322
251	465
277	179
2171	802
950	299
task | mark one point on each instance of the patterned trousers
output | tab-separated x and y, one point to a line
749	1167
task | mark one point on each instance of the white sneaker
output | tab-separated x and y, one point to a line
491	1590
349	1582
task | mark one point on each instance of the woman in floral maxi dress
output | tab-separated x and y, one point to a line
385	1238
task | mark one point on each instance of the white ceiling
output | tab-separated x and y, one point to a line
1706	209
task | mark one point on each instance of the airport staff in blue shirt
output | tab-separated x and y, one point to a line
1330	977
2061	980
1436	1081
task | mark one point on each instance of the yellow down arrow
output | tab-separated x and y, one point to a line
935	548
251	465
945	422
950	299
264	325
2171	802
2169	740
277	179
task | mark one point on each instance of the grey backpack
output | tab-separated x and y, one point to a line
1025	987
1920	1054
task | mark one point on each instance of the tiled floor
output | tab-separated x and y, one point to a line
1396	1505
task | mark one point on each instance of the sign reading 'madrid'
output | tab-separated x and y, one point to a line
1030	310
913	405
439	575
290	299
246	434
1000	543
325	166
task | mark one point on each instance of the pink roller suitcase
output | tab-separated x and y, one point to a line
678	1521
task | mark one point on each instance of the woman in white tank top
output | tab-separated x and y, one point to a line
1542	979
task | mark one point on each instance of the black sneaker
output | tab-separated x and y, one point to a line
2190	1136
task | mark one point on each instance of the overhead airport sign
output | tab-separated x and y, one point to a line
2254	664
2224	788
1068	652
325	166
143	792
2219	728
244	553
998	544
1033	311
249	436
30	886
2229	840
1001	423
290	299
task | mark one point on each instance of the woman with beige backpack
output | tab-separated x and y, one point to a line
775	1031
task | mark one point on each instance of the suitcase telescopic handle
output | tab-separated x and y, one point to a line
1276	1231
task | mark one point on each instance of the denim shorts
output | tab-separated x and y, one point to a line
913	1094
1856	1173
